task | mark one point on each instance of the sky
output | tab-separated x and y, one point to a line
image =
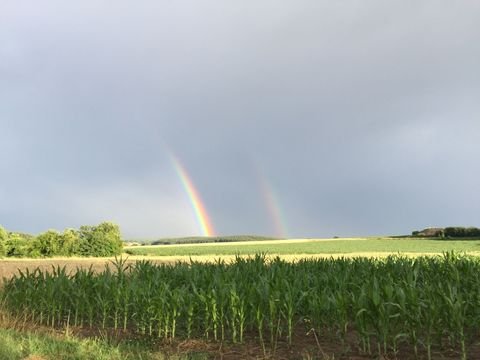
291	118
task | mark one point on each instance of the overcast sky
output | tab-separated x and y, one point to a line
307	118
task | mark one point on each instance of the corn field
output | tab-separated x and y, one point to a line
422	304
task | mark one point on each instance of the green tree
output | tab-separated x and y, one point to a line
69	242
101	240
18	245
47	244
3	241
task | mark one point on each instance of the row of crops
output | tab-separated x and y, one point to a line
422	304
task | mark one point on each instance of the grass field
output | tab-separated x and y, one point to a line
34	345
306	246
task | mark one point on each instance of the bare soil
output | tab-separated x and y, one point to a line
306	345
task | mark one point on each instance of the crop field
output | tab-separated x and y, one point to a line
359	298
319	246
396	307
11	267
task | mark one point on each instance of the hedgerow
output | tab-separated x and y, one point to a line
99	240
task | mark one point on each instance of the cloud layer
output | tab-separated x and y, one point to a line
362	117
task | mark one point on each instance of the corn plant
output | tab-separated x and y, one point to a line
426	304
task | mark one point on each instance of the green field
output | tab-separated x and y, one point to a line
327	246
18	345
362	308
366	305
200	239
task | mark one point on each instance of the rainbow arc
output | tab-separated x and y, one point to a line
272	205
197	204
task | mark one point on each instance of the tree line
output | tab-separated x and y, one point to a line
103	239
449	232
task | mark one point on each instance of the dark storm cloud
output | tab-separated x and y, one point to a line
363	116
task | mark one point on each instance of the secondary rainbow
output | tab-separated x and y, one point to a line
197	204
273	206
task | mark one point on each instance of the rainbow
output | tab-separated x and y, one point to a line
200	211
273	207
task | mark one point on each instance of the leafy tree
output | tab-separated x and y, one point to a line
17	245
47	244
69	242
101	240
458	232
3	241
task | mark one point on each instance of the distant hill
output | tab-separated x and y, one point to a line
201	239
